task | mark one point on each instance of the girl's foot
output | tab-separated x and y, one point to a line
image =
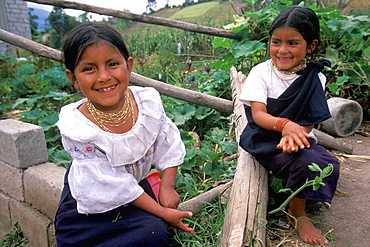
306	230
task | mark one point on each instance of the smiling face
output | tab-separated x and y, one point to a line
288	47
102	74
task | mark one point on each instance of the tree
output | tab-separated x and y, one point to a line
151	4
60	24
33	23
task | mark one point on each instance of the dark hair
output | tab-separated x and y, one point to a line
85	34
304	20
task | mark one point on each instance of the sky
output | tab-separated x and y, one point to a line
134	6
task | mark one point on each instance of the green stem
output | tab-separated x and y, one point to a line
283	205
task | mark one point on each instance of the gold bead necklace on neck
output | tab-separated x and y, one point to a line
113	119
290	71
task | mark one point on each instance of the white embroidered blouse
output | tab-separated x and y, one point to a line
107	167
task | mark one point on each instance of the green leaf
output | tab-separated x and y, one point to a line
34	114
318	180
18	102
328	170
213	169
249	48
60	157
315	187
242	34
48	121
314	167
332	55
334	87
229	147
183	113
202	112
286	190
44	90
185	179
57	95
276	184
221	42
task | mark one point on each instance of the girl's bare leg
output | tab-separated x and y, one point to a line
304	227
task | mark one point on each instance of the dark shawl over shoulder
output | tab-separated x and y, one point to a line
303	102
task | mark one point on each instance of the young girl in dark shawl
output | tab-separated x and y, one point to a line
284	98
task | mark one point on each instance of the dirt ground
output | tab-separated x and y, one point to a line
346	221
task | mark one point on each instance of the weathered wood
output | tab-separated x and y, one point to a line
330	142
247	205
140	18
30	45
194	97
187	95
346	117
196	204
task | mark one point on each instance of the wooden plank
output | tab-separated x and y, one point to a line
329	142
196	204
246	210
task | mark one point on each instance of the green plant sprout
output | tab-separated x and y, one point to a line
315	183
14	238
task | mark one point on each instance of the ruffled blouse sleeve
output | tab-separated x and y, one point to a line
169	150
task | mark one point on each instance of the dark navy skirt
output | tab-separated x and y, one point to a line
126	226
294	168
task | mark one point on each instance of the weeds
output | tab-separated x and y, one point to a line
14	238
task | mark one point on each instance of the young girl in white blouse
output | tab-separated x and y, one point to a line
284	98
115	135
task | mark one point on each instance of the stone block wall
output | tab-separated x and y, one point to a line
14	19
29	186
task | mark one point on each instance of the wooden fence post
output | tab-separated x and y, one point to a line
246	211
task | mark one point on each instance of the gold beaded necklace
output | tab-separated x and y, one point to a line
290	71
113	119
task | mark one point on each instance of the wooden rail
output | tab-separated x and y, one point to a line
246	211
140	18
187	95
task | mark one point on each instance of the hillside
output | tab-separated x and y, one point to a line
42	16
214	14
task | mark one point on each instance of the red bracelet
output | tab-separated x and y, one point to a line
280	123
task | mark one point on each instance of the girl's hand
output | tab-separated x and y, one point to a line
168	197
174	218
294	138
287	145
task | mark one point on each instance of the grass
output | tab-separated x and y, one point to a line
14	238
207	226
194	11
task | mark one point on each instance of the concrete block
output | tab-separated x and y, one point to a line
11	181
43	186
35	226
5	221
22	144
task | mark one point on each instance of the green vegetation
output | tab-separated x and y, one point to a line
315	183
14	238
194	11
38	87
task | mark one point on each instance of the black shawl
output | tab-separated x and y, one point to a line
303	102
